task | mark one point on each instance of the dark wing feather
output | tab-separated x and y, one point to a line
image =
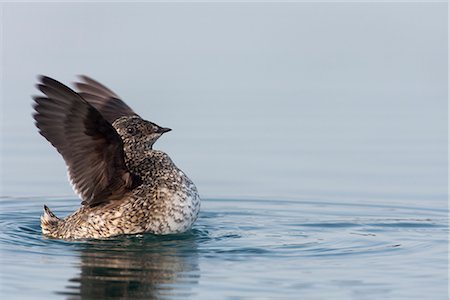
90	146
103	99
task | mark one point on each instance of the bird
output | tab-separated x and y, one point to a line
125	185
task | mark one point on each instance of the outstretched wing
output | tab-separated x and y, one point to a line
103	99
90	146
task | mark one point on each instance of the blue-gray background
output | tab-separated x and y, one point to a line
265	100
315	132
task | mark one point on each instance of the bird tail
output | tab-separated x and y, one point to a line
49	222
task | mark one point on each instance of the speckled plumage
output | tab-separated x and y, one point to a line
126	186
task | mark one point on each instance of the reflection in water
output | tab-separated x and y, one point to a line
137	267
247	249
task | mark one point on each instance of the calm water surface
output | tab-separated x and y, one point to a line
266	249
316	134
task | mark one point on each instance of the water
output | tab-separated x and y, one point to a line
239	248
316	134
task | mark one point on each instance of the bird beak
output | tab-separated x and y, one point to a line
163	130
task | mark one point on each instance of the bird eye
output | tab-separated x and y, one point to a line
131	130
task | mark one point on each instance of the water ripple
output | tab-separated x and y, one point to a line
233	232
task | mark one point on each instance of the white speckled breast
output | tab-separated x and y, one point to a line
180	212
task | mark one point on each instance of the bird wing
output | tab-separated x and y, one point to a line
103	99
90	146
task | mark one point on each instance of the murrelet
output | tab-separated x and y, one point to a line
126	186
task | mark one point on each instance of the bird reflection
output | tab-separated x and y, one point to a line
137	267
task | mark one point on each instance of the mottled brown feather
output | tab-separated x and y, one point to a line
90	146
103	99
